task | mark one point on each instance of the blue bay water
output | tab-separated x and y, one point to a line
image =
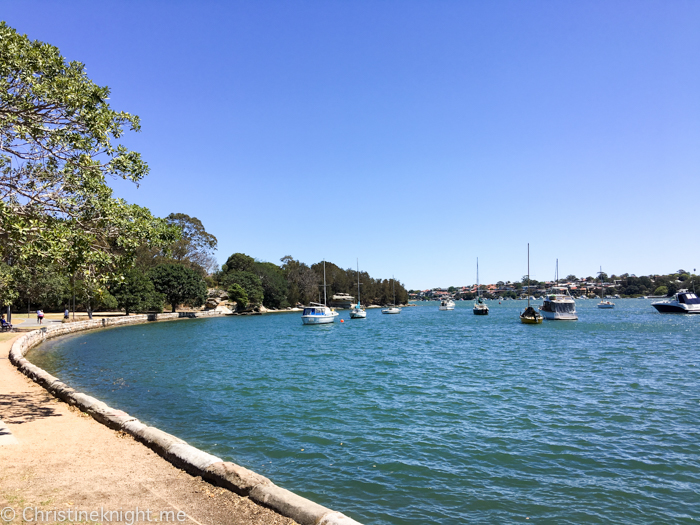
427	416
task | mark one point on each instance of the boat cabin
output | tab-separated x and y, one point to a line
688	298
316	310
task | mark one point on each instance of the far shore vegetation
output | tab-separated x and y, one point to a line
66	241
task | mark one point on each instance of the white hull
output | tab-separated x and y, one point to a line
393	310
356	313
446	305
319	319
559	316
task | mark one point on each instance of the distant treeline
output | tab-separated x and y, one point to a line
249	281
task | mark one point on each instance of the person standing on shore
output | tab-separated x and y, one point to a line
65	313
39	316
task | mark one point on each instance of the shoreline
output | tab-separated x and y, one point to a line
196	462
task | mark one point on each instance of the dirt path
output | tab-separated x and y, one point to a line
64	460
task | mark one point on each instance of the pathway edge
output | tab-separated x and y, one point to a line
233	477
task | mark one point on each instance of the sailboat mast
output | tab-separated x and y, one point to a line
358	280
528	275
393	290
324	283
478	294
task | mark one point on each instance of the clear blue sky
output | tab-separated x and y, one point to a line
413	135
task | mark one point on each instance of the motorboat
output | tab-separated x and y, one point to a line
559	305
683	302
357	311
603	303
319	313
480	307
530	315
392	309
448	304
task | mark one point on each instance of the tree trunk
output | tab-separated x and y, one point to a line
174	306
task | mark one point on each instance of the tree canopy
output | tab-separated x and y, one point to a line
179	285
58	145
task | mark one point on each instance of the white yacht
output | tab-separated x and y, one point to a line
319	313
357	311
480	307
603	303
392	309
559	305
448	304
684	302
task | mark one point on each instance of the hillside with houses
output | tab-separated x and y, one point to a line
626	285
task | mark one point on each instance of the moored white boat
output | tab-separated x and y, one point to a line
392	309
319	313
448	304
559	305
480	307
607	305
683	302
358	312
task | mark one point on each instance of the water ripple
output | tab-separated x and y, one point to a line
426	417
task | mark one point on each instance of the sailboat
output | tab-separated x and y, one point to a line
392	309
319	313
358	312
530	315
603	303
480	307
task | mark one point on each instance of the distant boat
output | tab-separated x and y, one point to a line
603	303
448	304
358	312
683	302
559	305
530	315
319	313
392	309
480	307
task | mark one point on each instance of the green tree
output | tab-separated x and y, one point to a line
239	262
135	292
237	293
661	290
248	281
273	283
179	285
302	281
57	147
8	290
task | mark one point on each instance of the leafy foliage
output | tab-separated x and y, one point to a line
251	284
57	147
135	292
237	293
179	285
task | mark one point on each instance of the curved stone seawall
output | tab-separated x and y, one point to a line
197	462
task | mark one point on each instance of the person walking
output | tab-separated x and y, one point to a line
39	316
65	314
